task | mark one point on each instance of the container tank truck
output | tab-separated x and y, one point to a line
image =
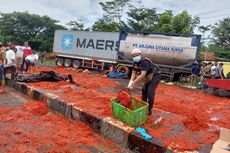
174	53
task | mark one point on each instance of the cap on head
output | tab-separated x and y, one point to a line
136	51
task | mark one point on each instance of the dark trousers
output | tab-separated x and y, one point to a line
148	91
217	77
12	69
1	72
23	63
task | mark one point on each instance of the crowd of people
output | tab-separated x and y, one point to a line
17	59
206	70
21	59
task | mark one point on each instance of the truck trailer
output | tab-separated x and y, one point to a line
174	53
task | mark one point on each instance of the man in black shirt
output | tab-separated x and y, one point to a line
150	74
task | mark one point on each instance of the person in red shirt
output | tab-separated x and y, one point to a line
26	52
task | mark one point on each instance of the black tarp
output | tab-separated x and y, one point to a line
44	76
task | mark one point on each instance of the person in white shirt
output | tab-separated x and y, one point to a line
213	69
10	62
19	55
32	61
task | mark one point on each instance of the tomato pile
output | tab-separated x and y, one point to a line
125	99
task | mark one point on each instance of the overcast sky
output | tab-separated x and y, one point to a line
210	11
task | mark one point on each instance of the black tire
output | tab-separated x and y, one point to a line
59	62
67	62
171	78
76	64
123	69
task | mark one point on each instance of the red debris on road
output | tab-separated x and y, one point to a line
192	118
30	128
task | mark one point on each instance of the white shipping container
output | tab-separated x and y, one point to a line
100	45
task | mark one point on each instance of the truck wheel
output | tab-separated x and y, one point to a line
67	62
171	78
123	69
59	62
76	64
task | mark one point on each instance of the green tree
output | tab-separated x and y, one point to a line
104	26
23	26
221	53
165	20
77	25
112	16
143	19
113	10
46	37
214	47
221	32
203	29
184	23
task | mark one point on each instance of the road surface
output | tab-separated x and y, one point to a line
28	126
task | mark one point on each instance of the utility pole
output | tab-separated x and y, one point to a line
203	30
206	50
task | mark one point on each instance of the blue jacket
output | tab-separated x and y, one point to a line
195	69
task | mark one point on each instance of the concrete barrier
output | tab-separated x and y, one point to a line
116	131
109	128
